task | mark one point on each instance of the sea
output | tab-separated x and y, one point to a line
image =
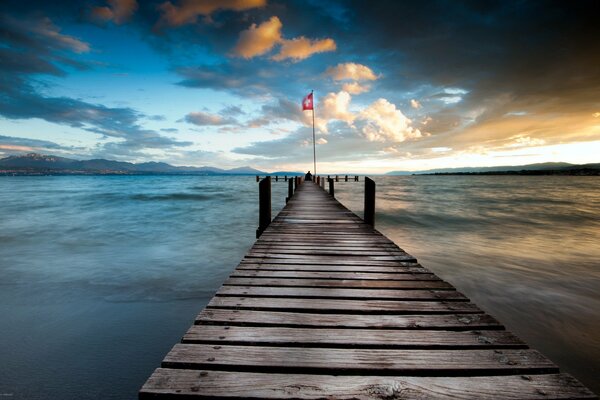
101	275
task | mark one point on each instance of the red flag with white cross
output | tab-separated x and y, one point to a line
307	102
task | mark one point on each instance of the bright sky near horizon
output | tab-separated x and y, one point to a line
398	85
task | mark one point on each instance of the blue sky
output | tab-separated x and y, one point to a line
398	85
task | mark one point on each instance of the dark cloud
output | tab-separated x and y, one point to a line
19	141
34	48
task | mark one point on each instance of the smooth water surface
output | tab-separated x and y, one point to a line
101	275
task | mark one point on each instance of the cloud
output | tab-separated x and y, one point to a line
258	40
300	48
321	141
201	118
335	106
351	72
415	104
355	88
13	144
38	34
261	39
187	11
118	11
384	122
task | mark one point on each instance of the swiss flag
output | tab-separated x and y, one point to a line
307	102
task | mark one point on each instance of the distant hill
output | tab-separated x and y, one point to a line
543	168
35	164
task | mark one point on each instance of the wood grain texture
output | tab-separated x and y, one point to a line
408	276
313	320
335	306
354	338
358	361
340	293
339	283
246	385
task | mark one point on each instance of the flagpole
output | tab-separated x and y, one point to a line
314	147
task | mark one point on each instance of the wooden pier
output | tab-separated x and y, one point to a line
323	306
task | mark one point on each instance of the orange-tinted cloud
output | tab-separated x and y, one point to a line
259	39
187	11
352	72
118	11
300	48
355	88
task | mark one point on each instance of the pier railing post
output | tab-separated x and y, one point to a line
264	205
331	188
369	201
290	190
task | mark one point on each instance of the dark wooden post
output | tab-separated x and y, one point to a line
356	178
276	178
346	178
318	180
290	190
257	178
264	205
337	178
369	201
331	188
285	178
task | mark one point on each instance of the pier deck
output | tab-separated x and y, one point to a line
324	306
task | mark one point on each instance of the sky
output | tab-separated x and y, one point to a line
398	85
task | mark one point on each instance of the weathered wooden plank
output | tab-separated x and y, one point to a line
246	385
312	320
337	253
335	275
336	306
408	268
354	338
358	361
331	262
354	294
325	246
339	283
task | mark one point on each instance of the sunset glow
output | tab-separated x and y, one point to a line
400	86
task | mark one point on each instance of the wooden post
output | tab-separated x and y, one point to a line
323	183
356	178
369	201
276	178
257	178
337	178
331	188
318	180
264	205
290	190
346	178
285	178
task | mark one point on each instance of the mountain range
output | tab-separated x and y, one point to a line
34	163
542	167
40	164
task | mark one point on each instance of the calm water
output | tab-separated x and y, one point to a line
100	276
